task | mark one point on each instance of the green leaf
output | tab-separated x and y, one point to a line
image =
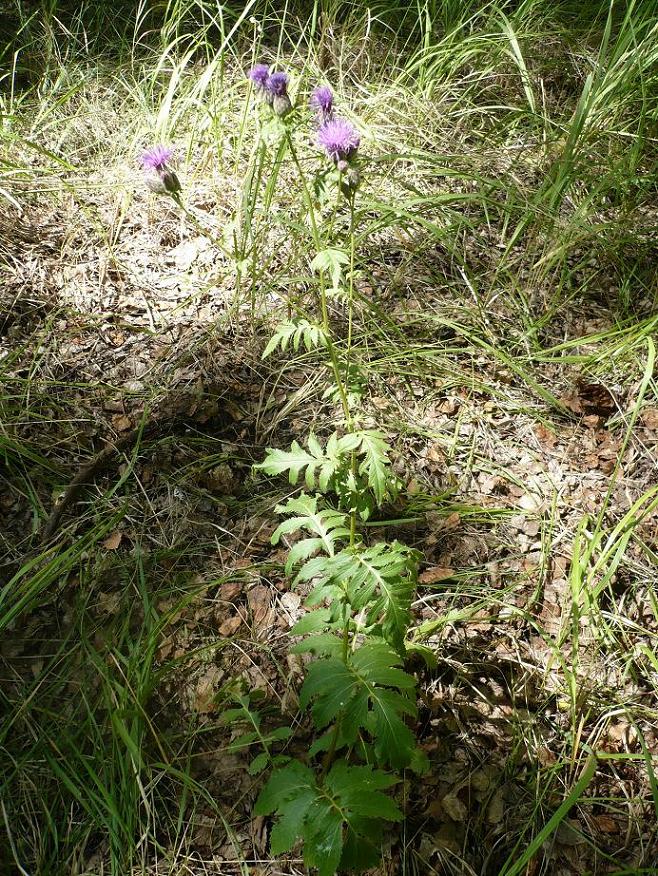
282	785
340	819
323	643
327	524
379	580
290	824
281	338
394	741
330	261
311	622
331	684
369	693
296	332
292	461
258	764
323	844
279	734
376	466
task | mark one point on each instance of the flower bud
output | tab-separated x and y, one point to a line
350	182
281	104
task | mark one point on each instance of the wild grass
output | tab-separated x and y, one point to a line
507	226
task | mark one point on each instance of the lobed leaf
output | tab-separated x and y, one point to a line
296	332
339	819
327	524
368	693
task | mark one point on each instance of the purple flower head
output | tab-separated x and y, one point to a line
156	158
258	75
157	175
277	84
322	101
339	139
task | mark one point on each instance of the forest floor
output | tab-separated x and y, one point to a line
528	447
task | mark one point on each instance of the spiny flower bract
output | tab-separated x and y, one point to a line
339	138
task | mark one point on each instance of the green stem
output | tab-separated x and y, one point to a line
317	240
350	293
331	751
199	227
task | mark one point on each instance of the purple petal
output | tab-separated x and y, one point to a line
322	100
259	74
339	138
277	84
156	157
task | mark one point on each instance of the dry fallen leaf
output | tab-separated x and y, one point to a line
230	626
434	574
590	399
121	423
452	520
496	807
204	699
649	418
607	824
545	436
260	601
454	808
113	541
230	590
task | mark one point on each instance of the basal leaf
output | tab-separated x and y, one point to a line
323	839
290	824
345	778
368	693
284	784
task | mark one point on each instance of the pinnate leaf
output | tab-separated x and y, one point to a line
326	525
369	693
376	466
379	579
340	820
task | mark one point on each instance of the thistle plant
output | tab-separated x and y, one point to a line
356	690
359	607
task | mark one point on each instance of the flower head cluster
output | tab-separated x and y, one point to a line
339	139
159	177
322	101
273	87
156	158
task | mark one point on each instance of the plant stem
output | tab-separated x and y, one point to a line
317	240
200	228
329	756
